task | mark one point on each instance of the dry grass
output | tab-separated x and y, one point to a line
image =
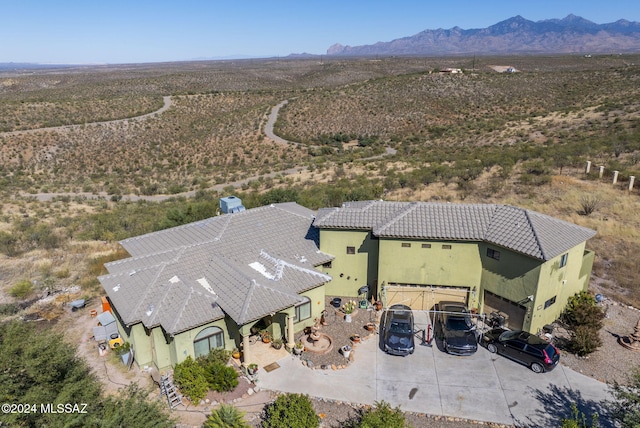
212	134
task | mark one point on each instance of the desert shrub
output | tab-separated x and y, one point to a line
584	340
625	408
579	420
8	244
22	289
584	317
225	416
131	408
290	411
9	308
589	204
192	380
582	309
381	416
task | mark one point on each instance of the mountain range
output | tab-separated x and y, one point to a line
516	35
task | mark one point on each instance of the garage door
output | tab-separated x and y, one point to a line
423	297
515	312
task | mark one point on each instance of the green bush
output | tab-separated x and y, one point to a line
290	411
585	339
225	416
382	416
583	315
582	309
22	289
191	378
221	377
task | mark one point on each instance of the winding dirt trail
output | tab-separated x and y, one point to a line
268	130
165	107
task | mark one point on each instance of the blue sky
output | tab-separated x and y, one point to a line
115	31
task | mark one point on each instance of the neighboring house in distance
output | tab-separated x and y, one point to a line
491	257
216	282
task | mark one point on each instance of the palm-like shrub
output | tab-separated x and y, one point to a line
225	416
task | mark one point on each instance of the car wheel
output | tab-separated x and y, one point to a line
537	367
492	348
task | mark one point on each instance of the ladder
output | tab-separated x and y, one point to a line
168	389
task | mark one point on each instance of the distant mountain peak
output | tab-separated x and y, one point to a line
516	35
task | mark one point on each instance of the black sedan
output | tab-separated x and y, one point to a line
523	347
459	335
398	331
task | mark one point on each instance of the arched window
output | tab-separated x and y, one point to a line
208	339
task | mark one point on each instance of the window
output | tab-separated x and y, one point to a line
494	254
303	311
550	302
446	246
351	250
406	245
208	339
563	259
426	245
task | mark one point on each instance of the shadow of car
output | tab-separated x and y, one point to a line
525	348
397	335
458	333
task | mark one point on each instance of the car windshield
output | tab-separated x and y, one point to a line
400	327
458	323
509	334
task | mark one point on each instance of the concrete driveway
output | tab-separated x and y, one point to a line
484	386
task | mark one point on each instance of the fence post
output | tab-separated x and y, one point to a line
631	180
588	167
615	177
601	173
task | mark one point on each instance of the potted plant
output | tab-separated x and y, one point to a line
252	368
276	343
355	338
348	309
236	353
266	336
298	347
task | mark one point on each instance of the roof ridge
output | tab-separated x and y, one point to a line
162	266
535	234
492	219
281	264
397	216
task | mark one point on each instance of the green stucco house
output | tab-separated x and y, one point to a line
491	257
215	283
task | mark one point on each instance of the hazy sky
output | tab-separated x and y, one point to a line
114	31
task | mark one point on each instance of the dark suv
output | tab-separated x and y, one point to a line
523	347
398	331
459	335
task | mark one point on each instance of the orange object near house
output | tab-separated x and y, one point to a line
94	313
106	307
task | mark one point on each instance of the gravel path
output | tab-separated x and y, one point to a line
611	362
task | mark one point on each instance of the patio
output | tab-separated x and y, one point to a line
340	332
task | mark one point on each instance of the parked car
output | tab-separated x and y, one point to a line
523	347
398	331
459	335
